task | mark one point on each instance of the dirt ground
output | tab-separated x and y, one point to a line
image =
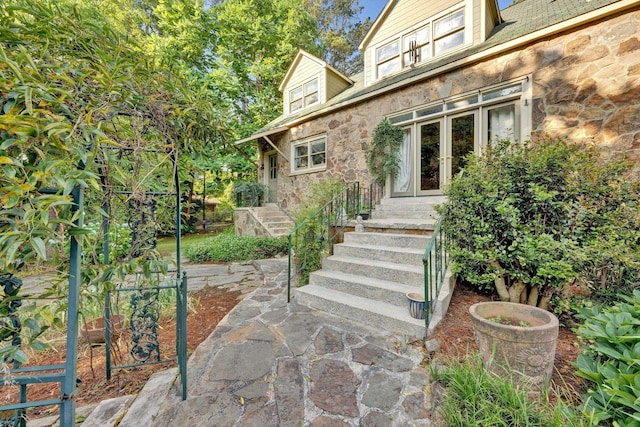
455	336
210	306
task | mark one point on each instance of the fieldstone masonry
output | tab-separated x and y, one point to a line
586	87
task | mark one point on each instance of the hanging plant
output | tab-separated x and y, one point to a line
382	153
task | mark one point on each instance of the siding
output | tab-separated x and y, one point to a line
305	71
335	84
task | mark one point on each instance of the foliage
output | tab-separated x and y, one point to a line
249	193
527	219
229	248
311	239
475	396
611	362
119	238
382	153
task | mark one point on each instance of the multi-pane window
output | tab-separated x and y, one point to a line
310	154
431	39
304	95
448	32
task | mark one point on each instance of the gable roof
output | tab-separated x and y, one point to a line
524	22
376	24
296	61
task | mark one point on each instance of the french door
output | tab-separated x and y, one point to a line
432	152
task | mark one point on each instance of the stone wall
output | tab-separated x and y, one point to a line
586	87
246	223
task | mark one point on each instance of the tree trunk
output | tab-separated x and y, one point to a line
533	296
515	290
499	282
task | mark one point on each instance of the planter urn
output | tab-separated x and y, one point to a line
517	340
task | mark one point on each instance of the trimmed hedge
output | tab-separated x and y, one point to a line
228	248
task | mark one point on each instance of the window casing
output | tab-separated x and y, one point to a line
304	95
309	154
434	37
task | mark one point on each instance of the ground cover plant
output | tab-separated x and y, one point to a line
611	362
227	247
529	221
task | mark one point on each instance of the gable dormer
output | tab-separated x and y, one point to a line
409	33
310	81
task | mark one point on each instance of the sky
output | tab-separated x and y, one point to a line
373	7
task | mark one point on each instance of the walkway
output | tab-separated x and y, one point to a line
269	363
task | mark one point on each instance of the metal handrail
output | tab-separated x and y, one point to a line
435	261
327	223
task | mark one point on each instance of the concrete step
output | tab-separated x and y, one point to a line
365	287
442	304
389	271
408	207
379	315
409	241
380	253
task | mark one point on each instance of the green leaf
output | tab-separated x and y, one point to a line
38	244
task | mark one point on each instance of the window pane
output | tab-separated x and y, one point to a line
311	99
302	163
402	118
302	150
310	87
296	105
462	102
462	138
295	94
501	92
430	110
449	23
501	123
317	159
388	51
317	147
448	42
388	67
430	156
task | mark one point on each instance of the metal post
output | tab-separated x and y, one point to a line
183	337
68	406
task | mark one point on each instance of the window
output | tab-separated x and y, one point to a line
309	154
388	59
501	122
448	32
432	38
303	96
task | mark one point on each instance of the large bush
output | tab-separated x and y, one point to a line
529	219
611	362
228	247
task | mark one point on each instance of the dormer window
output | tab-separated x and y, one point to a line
304	95
431	38
448	32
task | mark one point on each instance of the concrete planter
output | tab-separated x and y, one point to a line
517	340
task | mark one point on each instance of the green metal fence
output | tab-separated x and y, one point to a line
314	237
435	261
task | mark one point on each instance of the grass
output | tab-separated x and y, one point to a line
167	245
476	397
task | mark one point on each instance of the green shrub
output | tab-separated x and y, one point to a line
526	220
611	362
381	154
475	397
227	248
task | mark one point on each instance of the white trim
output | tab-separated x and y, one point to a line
301	85
308	141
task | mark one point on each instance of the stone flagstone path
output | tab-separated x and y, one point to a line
269	363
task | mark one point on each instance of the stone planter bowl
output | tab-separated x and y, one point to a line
94	331
525	349
416	305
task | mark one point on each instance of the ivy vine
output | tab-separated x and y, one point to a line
382	153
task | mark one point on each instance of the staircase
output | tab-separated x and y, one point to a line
273	219
369	274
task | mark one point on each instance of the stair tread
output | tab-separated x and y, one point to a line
373	306
367	281
374	263
383	248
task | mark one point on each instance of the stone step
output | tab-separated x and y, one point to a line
365	287
410	241
380	253
376	314
389	271
147	403
281	224
109	412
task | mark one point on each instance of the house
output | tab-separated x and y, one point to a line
453	75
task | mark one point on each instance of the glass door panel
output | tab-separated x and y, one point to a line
463	136
430	147
403	180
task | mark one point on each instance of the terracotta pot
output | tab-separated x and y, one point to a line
94	331
516	339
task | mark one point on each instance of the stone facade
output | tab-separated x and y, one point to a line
586	87
246	224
